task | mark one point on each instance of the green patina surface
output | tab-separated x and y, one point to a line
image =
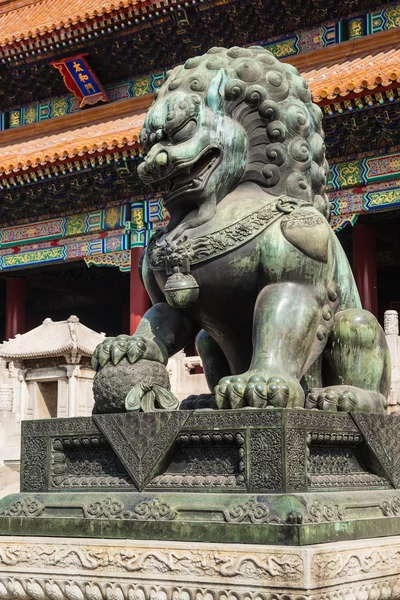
189	527
248	256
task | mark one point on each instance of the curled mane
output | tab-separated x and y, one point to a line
272	102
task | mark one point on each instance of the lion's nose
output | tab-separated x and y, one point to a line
154	165
161	160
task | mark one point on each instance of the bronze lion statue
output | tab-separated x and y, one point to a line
248	262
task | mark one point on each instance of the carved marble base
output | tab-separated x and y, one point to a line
69	569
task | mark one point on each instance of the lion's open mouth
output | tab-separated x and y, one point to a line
193	176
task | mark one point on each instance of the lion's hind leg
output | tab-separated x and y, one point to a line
215	367
356	366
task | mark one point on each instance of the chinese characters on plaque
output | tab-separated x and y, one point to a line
81	80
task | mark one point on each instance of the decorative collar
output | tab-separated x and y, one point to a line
185	252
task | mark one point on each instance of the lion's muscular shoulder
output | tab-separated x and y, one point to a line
308	231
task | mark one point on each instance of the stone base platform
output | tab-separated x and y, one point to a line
290	519
94	569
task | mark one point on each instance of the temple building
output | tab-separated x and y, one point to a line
75	80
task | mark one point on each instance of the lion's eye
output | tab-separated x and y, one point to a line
185	132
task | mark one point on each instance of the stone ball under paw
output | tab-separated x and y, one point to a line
112	383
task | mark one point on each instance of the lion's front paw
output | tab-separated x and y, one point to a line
258	390
132	347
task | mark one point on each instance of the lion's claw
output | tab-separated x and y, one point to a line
118	348
258	391
341	398
278	392
135	349
103	354
131	347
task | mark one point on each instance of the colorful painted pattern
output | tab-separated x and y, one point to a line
364	170
146	217
106	219
367	198
372	100
64	249
104	237
338	223
122	260
305	41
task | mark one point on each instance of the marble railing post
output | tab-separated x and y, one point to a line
72	374
391	325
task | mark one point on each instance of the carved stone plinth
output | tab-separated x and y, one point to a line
251	451
271	476
70	569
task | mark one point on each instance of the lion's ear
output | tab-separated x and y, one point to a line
216	92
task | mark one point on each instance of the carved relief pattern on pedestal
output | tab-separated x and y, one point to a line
26	507
141	440
86	461
74	426
109	508
337	464
33	464
206	460
382	435
320	513
194	574
333	461
233	420
354	480
248	512
320	420
390	508
237	565
296	459
266	459
336	565
62	589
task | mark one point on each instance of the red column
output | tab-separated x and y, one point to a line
15	307
364	266
139	299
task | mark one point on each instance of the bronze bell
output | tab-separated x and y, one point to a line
181	290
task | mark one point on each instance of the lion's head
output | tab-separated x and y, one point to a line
232	116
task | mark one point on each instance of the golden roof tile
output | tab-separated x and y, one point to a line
45	16
354	76
117	133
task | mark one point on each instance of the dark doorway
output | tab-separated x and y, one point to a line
99	296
